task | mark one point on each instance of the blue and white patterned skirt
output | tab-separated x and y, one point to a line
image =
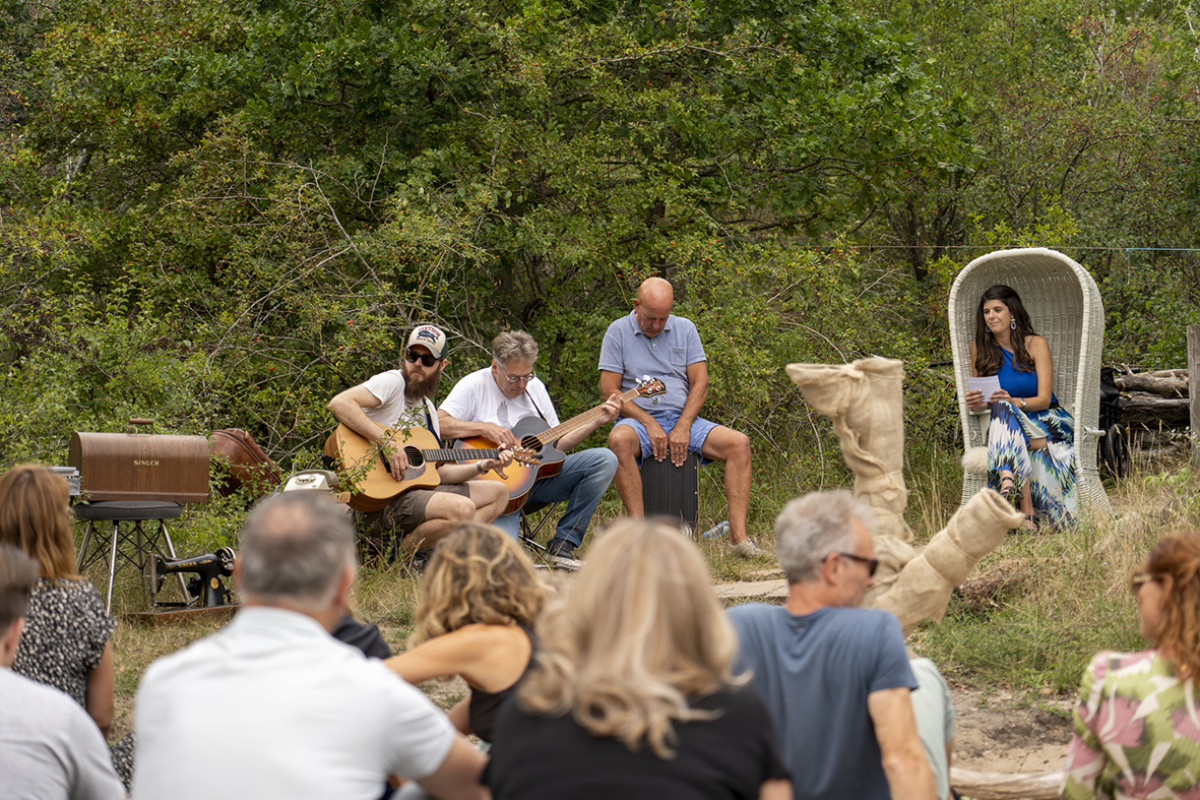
1050	471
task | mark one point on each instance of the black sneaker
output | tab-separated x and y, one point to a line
420	559
562	553
560	547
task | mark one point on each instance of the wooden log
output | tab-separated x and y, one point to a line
1156	373
1006	786
1193	356
1142	409
1164	386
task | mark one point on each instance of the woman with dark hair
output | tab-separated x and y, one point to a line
1137	724
477	604
66	641
1030	451
632	693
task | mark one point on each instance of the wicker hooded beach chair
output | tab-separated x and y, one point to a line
1065	307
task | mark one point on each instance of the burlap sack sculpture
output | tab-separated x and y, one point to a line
865	402
923	588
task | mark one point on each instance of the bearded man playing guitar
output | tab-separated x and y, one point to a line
401	398
495	400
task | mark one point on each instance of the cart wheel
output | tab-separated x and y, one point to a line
1115	451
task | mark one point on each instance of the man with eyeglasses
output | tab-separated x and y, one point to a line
403	398
491	401
836	676
653	341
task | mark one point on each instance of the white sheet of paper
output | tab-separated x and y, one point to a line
987	384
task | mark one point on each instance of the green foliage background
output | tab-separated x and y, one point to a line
221	213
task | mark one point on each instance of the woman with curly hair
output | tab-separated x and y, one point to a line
66	641
1030	453
476	608
1137	725
632	693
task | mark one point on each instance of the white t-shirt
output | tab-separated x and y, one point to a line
50	749
394	409
477	398
273	706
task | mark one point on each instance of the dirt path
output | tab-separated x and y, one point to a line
996	731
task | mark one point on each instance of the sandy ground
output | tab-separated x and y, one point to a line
998	731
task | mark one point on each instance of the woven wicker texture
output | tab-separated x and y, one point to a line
1065	306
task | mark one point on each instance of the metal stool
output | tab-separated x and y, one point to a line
530	529
108	543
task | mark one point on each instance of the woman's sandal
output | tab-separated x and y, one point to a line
1029	524
1007	485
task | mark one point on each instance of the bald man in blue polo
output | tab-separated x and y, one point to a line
652	341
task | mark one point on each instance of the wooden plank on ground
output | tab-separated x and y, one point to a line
182	615
752	590
1005	786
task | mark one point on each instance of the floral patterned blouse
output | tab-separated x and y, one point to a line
1137	731
66	629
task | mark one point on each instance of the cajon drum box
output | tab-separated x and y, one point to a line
668	490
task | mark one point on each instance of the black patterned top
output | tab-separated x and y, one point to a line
66	629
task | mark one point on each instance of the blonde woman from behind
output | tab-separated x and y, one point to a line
477	604
632	693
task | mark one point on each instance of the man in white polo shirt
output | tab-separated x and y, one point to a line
272	705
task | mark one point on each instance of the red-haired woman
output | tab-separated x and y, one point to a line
1137	725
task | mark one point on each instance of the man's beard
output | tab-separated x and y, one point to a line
416	389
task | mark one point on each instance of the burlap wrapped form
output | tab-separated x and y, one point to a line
923	588
865	402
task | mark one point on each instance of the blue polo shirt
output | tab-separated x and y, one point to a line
633	354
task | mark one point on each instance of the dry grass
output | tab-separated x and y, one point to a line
1072	596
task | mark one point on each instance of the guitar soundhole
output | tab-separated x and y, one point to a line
531	443
415	458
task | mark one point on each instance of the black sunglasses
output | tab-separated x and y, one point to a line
1139	580
872	563
412	356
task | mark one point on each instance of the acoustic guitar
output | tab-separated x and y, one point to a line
363	465
536	436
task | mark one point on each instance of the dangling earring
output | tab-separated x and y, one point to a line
1013	324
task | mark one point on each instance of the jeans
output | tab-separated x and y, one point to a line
584	478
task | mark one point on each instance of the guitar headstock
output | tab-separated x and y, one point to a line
650	387
526	456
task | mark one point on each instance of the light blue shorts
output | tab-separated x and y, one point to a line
701	428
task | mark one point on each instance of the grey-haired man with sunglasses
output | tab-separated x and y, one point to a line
836	676
402	398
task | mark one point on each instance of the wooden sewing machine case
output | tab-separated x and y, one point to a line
140	466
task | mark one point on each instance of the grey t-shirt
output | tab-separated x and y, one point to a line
815	672
49	747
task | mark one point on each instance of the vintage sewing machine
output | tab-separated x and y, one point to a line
206	589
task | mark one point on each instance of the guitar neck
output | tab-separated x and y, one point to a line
586	418
460	454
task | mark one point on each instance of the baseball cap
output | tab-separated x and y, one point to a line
431	337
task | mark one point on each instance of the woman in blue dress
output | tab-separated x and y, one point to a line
1030	451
